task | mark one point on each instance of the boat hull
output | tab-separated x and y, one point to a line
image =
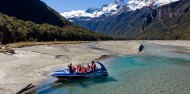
80	76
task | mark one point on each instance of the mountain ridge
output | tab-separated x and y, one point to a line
118	26
117	7
170	21
25	24
32	10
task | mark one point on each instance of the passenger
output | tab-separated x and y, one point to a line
88	68
73	69
83	70
70	68
93	66
78	68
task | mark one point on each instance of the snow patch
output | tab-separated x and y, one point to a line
111	9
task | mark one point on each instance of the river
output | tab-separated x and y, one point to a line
160	70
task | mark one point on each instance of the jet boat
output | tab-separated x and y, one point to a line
66	75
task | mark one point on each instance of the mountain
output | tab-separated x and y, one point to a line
32	10
126	22
33	20
171	21
15	30
138	4
105	10
117	7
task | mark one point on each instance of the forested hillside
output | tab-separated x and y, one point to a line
32	10
14	30
33	20
172	21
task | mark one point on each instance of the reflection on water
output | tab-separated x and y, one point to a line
84	83
161	70
70	86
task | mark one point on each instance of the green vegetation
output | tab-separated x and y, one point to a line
32	10
33	20
172	22
14	30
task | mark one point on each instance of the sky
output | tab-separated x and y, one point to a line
68	5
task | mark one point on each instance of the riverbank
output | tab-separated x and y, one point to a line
8	48
33	64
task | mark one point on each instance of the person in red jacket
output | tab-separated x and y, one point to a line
79	68
74	69
83	70
88	68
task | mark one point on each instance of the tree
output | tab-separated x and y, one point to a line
1	36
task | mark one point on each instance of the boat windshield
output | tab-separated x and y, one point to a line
100	66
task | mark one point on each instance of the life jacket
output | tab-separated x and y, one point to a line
74	69
78	67
83	70
88	68
93	66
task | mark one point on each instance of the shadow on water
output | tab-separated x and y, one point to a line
86	83
70	85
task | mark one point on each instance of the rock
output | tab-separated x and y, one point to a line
5	50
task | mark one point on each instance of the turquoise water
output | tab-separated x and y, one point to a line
150	73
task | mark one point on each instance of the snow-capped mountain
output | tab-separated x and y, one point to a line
111	9
138	4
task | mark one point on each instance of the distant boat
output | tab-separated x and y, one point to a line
66	75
